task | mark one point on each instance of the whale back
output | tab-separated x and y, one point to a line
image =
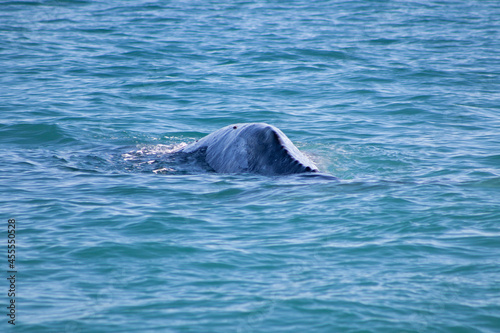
255	148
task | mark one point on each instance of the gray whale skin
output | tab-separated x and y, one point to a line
251	148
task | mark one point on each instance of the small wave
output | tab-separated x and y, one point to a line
153	150
33	134
164	159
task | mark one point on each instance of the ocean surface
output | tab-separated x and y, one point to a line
400	100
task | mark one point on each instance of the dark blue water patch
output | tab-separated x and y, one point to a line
21	4
324	55
384	41
34	134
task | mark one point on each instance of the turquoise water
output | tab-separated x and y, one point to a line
398	99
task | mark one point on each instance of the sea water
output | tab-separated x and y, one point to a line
398	99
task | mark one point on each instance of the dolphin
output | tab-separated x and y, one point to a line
251	148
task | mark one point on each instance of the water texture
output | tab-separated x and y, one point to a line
398	99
